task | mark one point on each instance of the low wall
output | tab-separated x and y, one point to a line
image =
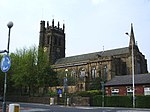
80	101
74	101
44	100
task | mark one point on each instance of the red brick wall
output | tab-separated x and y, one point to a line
122	91
108	91
139	90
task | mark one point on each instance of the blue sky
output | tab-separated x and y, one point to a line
90	24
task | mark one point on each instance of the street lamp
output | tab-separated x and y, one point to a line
9	25
133	84
65	85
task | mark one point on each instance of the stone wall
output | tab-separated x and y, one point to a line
74	101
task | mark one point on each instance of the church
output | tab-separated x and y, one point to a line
83	69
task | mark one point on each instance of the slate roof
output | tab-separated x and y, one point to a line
127	80
92	56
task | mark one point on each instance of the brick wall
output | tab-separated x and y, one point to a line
139	90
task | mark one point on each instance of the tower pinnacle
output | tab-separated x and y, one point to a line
132	39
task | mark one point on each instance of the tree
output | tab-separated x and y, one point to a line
30	71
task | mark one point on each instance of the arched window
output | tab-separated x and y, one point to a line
105	73
73	74
82	74
93	72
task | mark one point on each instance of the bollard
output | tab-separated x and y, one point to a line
68	100
51	101
14	108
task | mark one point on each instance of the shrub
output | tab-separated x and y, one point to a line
96	100
143	101
112	101
118	101
90	93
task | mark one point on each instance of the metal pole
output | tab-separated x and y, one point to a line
133	76
4	97
102	84
133	83
66	87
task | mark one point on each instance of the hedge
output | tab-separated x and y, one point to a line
121	101
118	101
90	93
143	101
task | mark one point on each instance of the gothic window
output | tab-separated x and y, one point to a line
117	66
93	72
73	74
138	68
124	68
100	71
105	73
82	74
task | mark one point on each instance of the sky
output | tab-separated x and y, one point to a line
90	25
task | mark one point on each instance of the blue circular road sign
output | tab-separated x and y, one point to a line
5	63
59	91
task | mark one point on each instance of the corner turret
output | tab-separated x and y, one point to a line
132	39
42	33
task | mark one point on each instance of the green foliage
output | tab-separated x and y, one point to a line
118	101
113	101
90	93
143	101
95	84
30	72
52	94
96	100
121	101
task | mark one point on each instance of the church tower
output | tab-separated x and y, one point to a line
52	40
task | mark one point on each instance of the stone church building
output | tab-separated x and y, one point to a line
85	68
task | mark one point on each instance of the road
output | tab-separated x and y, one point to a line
34	107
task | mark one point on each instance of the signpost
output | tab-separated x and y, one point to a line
5	64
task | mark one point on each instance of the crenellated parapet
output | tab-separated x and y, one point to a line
49	27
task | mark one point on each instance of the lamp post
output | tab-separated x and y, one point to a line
65	85
133	84
9	25
102	84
